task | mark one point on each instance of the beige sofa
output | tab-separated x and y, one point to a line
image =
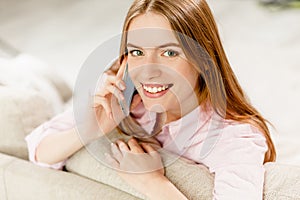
29	98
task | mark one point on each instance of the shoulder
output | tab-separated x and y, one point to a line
238	143
237	162
237	131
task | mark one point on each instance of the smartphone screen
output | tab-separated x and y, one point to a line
128	92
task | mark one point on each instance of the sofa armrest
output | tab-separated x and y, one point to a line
193	180
21	179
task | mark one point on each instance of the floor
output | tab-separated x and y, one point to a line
263	46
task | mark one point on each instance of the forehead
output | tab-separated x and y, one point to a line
150	30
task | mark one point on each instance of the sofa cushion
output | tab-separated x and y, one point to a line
21	110
4	162
282	181
183	173
27	72
21	179
44	71
194	180
30	94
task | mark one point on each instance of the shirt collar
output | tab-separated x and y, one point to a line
183	129
179	131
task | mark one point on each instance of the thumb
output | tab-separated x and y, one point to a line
122	68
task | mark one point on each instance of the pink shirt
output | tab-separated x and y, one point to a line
234	152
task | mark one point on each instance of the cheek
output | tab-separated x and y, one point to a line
193	79
189	74
134	75
131	64
134	62
133	70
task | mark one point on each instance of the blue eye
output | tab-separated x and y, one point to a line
170	53
136	53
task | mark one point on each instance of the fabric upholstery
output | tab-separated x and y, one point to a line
30	94
21	110
282	182
193	180
24	180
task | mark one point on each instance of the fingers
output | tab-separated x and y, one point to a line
121	148
122	68
117	154
101	101
111	161
153	142
148	148
112	79
133	157
111	84
115	91
134	146
110	87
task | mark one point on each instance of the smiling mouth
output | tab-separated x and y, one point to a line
156	88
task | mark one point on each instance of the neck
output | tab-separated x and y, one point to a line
181	109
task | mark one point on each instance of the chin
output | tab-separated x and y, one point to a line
158	108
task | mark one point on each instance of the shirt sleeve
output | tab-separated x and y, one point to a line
237	162
61	122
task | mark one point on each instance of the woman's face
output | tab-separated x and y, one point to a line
164	78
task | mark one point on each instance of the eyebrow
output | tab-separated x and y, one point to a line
161	46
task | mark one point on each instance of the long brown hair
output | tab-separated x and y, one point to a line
193	19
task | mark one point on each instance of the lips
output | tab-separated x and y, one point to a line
156	90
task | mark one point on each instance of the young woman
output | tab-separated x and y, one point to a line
177	63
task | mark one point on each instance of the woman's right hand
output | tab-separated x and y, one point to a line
107	97
106	110
103	112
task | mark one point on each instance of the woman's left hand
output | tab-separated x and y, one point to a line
139	165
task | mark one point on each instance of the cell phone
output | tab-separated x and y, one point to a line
128	92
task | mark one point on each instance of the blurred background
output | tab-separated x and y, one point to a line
262	41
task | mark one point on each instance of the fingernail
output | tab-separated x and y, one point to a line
122	146
121	86
110	116
122	96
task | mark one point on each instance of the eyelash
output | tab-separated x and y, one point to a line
169	50
175	52
135	50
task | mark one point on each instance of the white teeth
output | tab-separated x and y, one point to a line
155	89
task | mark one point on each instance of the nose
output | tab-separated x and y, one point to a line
151	56
151	68
147	67
150	71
